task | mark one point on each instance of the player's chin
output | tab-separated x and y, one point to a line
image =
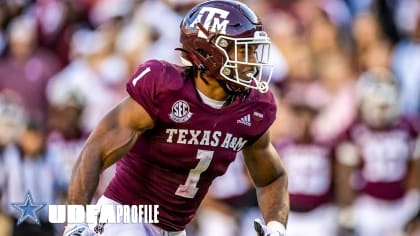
236	88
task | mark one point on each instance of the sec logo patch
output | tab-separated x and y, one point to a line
180	112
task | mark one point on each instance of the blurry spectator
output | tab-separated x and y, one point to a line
133	41
357	6
406	15
26	68
25	166
328	84
51	16
377	55
300	64
339	12
339	107
310	165
322	36
3	19
307	11
365	30
89	86
367	34
284	37
379	161
66	134
14	8
167	33
12	121
96	73
385	12
57	20
406	64
276	55
102	11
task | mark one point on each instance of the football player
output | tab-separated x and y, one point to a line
379	162
180	127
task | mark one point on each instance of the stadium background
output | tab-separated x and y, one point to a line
64	63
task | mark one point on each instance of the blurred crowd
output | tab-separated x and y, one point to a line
346	78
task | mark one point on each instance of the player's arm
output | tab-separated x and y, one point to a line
347	161
112	138
270	179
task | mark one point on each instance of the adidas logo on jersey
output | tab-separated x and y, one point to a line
245	120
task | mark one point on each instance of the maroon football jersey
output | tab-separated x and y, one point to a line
310	173
385	156
174	163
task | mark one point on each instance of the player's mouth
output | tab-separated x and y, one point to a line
249	75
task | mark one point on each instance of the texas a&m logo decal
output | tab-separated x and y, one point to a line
215	21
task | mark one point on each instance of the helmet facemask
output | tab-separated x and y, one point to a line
247	61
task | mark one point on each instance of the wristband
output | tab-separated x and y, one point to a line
276	227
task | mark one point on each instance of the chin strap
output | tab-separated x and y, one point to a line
232	88
243	94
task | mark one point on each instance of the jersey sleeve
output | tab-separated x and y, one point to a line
271	111
144	85
264	113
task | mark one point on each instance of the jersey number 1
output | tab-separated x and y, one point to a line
189	188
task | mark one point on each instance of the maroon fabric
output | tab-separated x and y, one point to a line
29	80
310	167
162	158
385	155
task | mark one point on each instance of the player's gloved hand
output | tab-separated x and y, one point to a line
78	230
273	228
